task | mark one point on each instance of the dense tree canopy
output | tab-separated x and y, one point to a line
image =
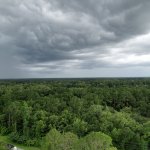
108	112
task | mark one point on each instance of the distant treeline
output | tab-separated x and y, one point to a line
77	111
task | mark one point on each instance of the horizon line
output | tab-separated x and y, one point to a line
27	78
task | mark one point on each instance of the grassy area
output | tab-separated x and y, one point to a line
6	140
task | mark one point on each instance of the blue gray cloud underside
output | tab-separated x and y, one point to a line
46	36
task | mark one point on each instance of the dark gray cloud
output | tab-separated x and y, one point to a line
51	37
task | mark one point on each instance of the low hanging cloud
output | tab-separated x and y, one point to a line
45	36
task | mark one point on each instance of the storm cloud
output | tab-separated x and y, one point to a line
73	38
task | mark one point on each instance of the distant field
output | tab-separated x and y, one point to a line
4	139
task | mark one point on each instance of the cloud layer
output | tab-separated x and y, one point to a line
46	38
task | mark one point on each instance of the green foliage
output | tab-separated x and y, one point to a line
79	127
15	137
3	130
54	140
51	141
95	141
119	108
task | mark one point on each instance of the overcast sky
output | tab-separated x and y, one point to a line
74	38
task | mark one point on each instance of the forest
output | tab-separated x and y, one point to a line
77	114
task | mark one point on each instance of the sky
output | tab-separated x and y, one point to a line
74	38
